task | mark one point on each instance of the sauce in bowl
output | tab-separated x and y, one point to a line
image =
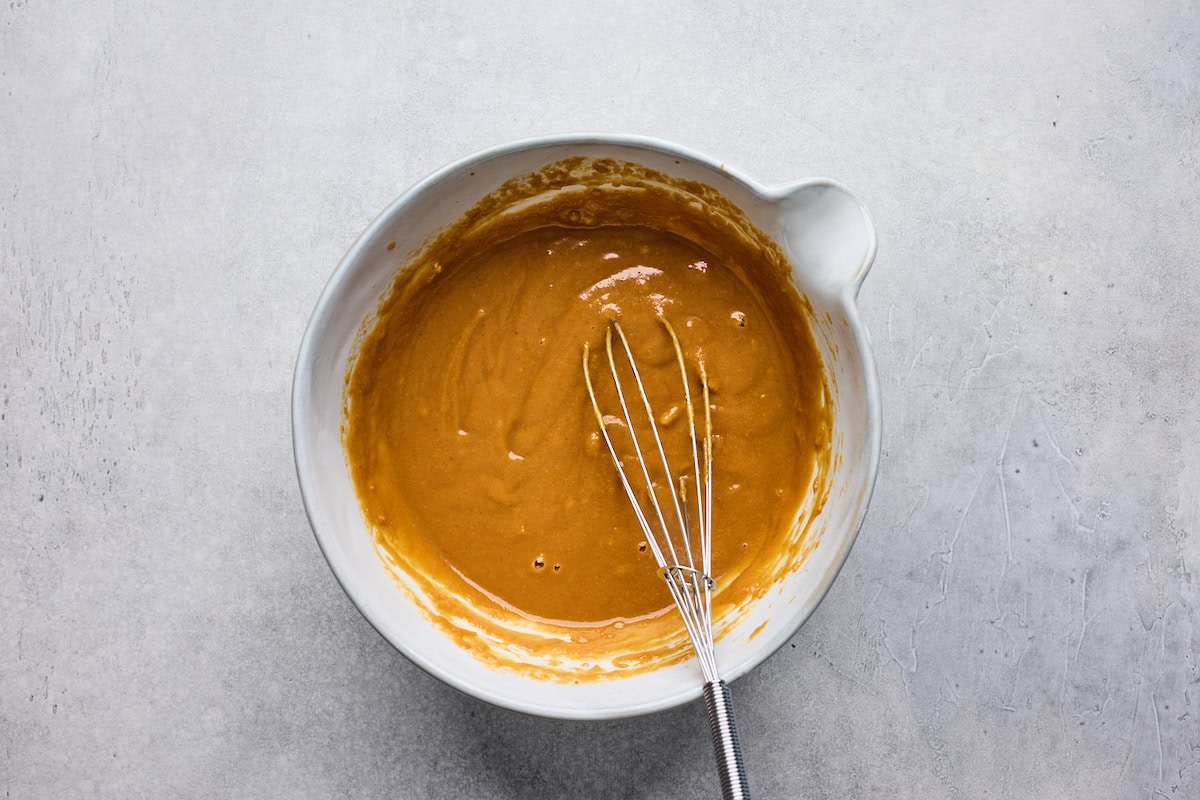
474	450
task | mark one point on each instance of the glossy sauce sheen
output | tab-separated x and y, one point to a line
475	451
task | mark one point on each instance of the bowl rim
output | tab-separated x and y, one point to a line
844	297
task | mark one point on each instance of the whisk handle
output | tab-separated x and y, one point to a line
725	741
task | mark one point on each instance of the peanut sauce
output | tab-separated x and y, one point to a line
475	452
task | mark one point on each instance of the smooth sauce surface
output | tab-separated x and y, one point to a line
475	451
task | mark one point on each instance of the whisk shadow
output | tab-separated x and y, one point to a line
663	755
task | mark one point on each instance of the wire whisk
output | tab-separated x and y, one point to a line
680	542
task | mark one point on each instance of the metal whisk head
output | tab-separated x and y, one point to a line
681	542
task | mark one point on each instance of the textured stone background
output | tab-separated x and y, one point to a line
1021	614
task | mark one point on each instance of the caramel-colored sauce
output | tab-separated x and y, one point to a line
475	451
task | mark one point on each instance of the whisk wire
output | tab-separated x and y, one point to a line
651	540
705	542
703	487
662	453
707	509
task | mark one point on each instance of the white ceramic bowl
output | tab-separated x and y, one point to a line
830	240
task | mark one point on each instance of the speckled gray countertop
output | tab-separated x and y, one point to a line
1021	614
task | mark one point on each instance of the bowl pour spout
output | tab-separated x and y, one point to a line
829	234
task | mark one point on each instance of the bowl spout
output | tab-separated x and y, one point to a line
829	234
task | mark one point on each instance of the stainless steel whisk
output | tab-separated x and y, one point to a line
684	559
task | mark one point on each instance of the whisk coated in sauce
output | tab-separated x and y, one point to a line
681	543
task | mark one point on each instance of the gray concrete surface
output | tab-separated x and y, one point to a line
1020	616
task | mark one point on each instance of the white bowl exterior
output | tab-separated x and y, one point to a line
352	295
